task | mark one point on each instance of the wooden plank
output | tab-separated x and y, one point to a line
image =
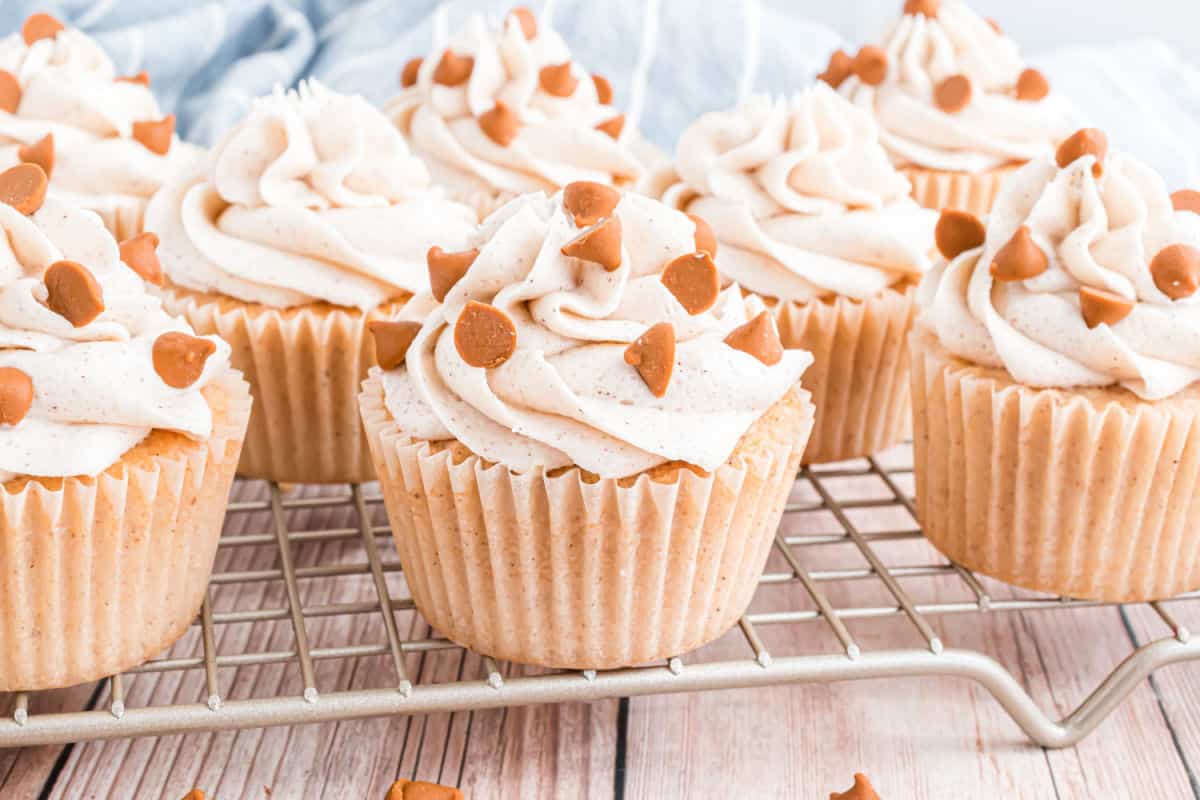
23	772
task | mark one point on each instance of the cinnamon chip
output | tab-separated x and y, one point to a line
447	269
653	355
501	124
40	26
179	358
871	65
991	21
10	92
1032	85
155	135
392	340
759	338
557	80
40	152
142	77
453	69
589	202
1101	307
23	187
405	789
706	240
1020	259
1186	200
1085	142
957	232
408	75
484	335
604	90
840	67
1176	271
140	254
694	281
861	790
953	94
600	244
16	395
613	127
526	20
73	292
926	8
194	794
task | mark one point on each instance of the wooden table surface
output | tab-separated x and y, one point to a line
916	738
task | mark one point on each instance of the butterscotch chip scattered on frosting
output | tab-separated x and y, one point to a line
405	789
557	80
1085	142
925	8
604	90
840	67
484	335
40	152
179	358
1020	258
613	127
40	26
408	75
957	232
694	281
73	293
1176	271
589	202
861	790
23	187
526	19
1032	85
140	254
501	124
1102	307
1186	200
447	269
953	94
392	340
10	92
142	78
600	244
453	69
16	395
653	356
156	135
871	65
758	338
706	240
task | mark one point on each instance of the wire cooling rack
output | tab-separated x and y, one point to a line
307	585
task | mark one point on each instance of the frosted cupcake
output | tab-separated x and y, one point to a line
585	449
800	205
501	112
1057	410
957	107
119	434
100	137
308	219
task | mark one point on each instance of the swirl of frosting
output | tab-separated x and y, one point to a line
558	122
951	93
96	389
801	197
1068	288
567	394
313	197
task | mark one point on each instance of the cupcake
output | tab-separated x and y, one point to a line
801	206
101	138
119	435
586	446
957	108
309	218
500	112
1055	382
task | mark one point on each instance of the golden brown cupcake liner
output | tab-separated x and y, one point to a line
859	375
1087	493
99	574
960	190
304	366
565	570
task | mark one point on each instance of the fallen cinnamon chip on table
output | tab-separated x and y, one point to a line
1186	200
16	395
408	75
484	335
600	244
194	794
73	293
1019	259
1032	86
156	135
1084	142
1176	271
861	790
871	65
694	281
653	355
10	92
926	8
706	240
840	67
501	124
23	187
557	80
40	152
453	69
526	19
588	202
957	232
142	77
405	789
140	254
392	340
40	26
1102	307
179	358
613	127
604	90
447	269
758	338
953	94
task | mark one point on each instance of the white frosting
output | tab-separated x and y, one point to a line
558	142
96	393
567	396
314	196
994	129
1096	232
801	197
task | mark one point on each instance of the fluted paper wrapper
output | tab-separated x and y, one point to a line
99	574
964	191
565	572
1083	493
304	366
859	376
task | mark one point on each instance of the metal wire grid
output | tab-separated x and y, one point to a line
818	492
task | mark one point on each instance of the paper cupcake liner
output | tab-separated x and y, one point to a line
1088	493
565	571
304	366
859	376
99	574
960	190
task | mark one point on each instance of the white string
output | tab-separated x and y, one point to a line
441	26
753	48
640	79
548	13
